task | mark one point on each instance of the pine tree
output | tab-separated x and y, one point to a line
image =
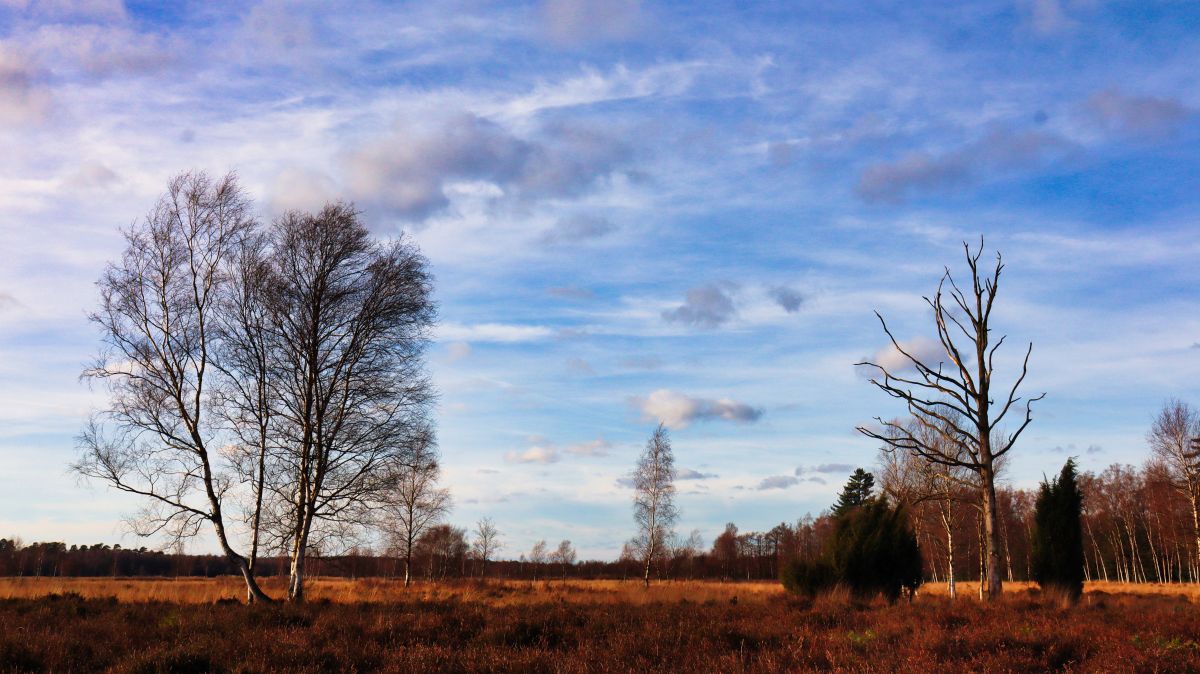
856	492
1058	534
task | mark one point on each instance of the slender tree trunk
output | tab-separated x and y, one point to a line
982	556
948	522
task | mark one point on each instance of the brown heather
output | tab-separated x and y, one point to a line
373	625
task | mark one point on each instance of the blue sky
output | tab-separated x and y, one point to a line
635	212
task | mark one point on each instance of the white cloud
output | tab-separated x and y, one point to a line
678	410
492	332
691	474
924	349
536	454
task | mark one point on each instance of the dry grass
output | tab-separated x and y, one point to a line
491	592
383	590
769	632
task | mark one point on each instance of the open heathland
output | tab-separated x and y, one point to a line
582	626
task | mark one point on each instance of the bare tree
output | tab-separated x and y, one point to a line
1171	439
564	556
351	319
244	359
654	500
487	543
416	503
538	556
157	318
954	399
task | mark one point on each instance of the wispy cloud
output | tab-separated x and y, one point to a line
492	332
999	151
576	22
1151	117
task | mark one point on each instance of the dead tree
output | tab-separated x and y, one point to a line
1172	440
416	503
654	500
158	437
954	398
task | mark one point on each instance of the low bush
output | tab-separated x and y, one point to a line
807	578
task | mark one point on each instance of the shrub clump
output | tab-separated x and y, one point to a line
807	578
872	549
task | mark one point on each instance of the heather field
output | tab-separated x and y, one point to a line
599	626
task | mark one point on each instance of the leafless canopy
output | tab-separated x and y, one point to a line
953	398
349	321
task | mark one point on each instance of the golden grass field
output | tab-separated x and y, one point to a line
491	592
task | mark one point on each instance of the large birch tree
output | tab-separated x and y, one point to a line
159	436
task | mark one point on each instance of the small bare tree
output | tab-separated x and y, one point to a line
1172	439
159	328
564	556
416	503
654	500
911	481
954	399
487	543
538	556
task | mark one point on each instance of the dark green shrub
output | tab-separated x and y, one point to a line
873	550
1057	545
807	578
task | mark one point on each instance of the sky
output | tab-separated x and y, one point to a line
635	213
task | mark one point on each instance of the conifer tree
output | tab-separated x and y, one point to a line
856	492
1058	534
